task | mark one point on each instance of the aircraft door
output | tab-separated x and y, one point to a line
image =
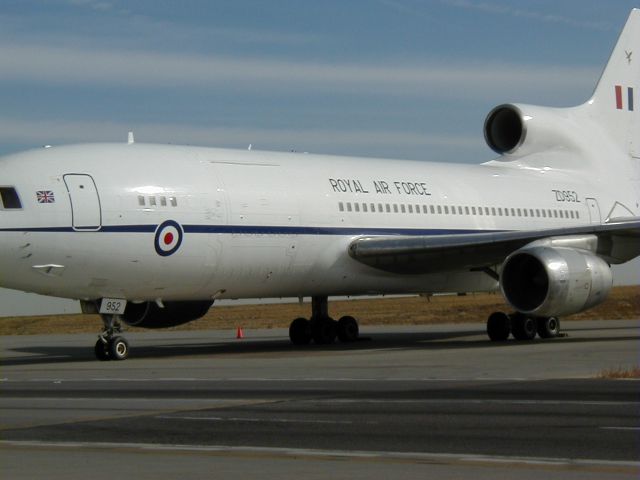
594	210
86	213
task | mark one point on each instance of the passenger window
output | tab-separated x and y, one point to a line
519	213
341	206
348	206
499	211
373	207
388	208
493	211
380	208
487	211
10	199
446	210
424	209
395	208
364	207
173	201
466	210
356	207
577	214
152	201
432	209
163	201
141	201
439	209
402	208
460	210
410	207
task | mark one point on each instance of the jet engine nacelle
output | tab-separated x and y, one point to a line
546	281
150	315
526	129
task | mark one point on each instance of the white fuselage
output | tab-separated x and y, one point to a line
258	224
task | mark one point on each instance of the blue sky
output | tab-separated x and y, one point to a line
390	78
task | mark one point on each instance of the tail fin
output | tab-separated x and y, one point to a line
616	99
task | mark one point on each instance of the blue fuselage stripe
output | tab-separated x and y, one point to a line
256	230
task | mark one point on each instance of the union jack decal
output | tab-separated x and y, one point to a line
45	196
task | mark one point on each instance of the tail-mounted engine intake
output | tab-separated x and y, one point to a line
545	281
150	315
526	129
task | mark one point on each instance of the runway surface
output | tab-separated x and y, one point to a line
440	401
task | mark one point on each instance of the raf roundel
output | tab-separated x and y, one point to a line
168	238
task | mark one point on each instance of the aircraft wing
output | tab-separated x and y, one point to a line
617	242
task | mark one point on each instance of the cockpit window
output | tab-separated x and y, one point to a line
9	198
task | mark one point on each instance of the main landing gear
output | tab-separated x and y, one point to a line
522	327
321	328
111	346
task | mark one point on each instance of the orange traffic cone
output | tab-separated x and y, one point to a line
239	333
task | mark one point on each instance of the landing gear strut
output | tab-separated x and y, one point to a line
321	328
521	326
111	346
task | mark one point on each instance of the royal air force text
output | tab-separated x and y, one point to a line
382	187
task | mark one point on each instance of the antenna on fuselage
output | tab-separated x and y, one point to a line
130	139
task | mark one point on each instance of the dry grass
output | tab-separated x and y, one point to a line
623	303
620	372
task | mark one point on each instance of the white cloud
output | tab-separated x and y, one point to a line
42	64
46	131
106	25
404	8
97	5
508	10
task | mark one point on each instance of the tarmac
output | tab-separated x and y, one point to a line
439	401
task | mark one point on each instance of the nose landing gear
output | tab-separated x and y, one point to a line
110	345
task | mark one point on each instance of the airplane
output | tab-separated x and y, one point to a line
152	235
